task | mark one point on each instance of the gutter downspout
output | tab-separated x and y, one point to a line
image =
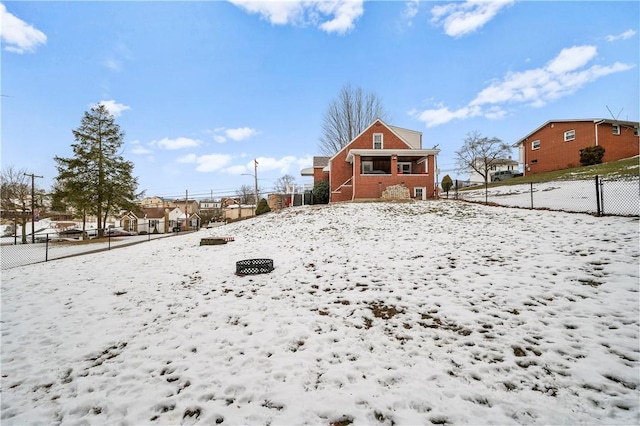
353	181
596	129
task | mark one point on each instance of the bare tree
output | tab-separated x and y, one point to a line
347	116
481	153
247	194
283	184
15	197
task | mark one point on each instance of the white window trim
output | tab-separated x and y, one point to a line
424	192
615	129
569	135
381	140
535	145
401	163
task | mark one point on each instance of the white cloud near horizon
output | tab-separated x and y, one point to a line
177	143
113	107
562	76
221	134
331	16
624	36
18	36
212	162
462	18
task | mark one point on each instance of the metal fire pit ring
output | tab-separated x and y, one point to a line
254	266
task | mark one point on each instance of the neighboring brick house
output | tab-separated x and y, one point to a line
380	157
320	169
556	145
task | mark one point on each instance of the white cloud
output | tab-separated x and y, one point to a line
411	10
283	165
571	59
330	16
113	107
140	150
562	76
463	18
137	149
236	170
177	143
624	36
212	162
240	133
221	134
189	158
18	36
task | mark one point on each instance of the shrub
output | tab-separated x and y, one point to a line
591	155
263	207
447	183
321	192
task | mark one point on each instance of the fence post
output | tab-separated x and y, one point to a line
531	189
486	192
598	207
46	248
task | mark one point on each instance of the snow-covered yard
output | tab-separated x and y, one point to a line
619	196
381	313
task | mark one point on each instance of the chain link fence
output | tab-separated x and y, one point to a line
599	196
49	246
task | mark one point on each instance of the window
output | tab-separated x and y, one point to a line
534	161
536	144
418	193
377	141
367	167
569	135
615	128
404	168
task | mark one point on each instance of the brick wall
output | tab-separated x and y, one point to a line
556	154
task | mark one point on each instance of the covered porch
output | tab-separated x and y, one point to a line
374	170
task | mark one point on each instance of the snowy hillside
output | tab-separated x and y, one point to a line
380	313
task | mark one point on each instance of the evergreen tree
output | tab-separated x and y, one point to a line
263	207
97	179
321	192
447	183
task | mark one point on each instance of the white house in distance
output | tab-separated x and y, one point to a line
497	165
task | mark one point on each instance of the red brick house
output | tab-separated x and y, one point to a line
380	157
556	145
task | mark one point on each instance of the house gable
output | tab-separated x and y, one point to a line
380	156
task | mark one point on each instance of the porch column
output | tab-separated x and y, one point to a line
394	165
356	174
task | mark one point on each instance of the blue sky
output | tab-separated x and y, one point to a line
201	89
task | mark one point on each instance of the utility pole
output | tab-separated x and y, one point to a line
33	211
255	176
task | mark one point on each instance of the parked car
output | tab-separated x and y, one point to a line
115	232
504	174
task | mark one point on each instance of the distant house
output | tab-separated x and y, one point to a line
320	169
381	158
183	221
556	145
152	220
495	165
